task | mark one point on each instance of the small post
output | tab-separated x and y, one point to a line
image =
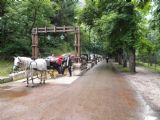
33	46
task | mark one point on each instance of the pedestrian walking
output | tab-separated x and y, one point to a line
107	59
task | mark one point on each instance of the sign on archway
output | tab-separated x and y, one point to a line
35	39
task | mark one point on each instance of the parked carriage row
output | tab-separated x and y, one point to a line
53	63
58	61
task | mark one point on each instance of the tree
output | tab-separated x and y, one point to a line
65	12
17	18
117	23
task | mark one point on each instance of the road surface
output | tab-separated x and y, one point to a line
100	94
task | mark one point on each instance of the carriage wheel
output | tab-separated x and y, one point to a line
51	72
65	71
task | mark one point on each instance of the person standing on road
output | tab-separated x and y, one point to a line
60	67
107	59
69	65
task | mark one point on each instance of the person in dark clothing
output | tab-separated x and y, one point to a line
69	65
107	58
60	67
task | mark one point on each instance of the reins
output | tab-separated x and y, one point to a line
30	65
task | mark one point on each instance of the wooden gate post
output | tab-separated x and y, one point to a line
33	46
36	31
79	44
36	47
35	50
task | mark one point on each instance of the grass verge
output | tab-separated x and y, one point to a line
5	67
121	68
153	68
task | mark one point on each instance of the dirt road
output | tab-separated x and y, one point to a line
100	94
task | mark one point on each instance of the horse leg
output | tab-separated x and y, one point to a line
45	77
27	78
27	81
37	74
32	79
41	77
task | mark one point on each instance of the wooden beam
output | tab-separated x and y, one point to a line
54	29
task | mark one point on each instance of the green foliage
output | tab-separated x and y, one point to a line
89	13
5	68
122	69
145	46
154	68
55	44
117	24
17	18
111	26
65	12
17	48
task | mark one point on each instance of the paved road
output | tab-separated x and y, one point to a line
100	94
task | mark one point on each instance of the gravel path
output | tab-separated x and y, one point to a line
147	85
100	94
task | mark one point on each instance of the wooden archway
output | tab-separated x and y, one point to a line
35	39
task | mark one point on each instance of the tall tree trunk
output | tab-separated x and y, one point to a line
124	59
120	59
34	19
4	35
116	58
125	63
132	62
149	59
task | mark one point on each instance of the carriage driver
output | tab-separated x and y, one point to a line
69	64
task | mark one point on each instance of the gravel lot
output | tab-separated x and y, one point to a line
147	86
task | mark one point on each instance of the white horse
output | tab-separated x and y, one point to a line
30	66
21	62
41	66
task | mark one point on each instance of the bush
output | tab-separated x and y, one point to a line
5	67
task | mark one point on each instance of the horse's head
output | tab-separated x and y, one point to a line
17	63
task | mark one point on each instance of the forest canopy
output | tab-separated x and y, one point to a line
125	29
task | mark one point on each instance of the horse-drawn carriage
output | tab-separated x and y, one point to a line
32	68
56	65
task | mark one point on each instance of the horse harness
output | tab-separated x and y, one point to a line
19	63
31	65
